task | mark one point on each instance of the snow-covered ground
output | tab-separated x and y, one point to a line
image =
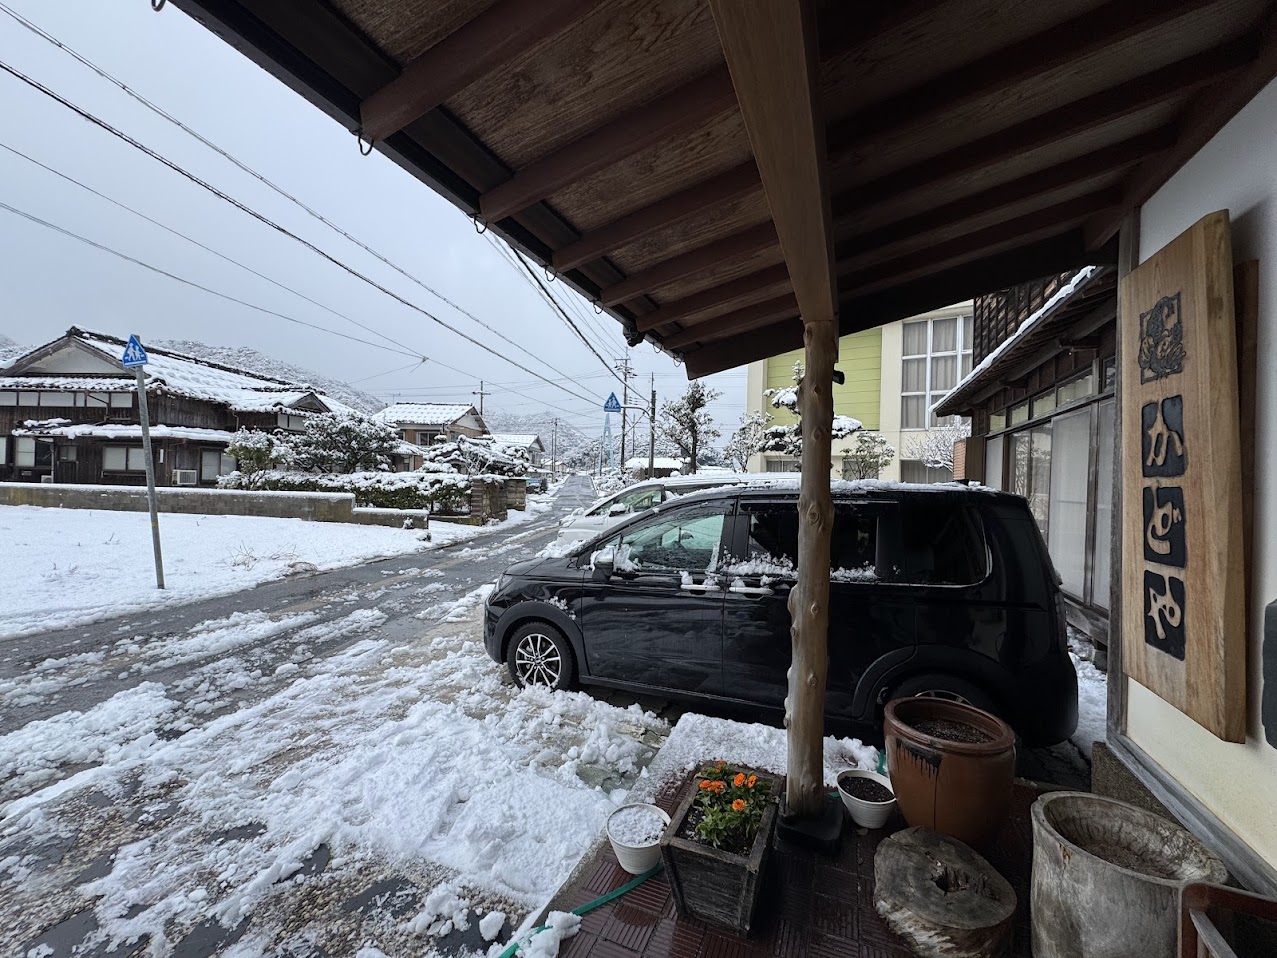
414	759
1092	705
83	565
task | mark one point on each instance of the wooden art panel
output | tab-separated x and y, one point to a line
1183	597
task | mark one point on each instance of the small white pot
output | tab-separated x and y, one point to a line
636	859
866	814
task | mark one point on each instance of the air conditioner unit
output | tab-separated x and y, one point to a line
185	477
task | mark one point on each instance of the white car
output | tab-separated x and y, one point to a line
587	523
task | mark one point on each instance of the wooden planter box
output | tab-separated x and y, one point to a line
712	885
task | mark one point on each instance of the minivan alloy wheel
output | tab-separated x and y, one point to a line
537	661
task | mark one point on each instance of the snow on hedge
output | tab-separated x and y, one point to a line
437	491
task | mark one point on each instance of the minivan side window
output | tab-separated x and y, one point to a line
637	500
771	544
684	540
942	543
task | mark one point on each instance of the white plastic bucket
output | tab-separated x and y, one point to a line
637	859
863	813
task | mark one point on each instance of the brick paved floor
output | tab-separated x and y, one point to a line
811	905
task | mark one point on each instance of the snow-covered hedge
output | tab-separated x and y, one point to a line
436	491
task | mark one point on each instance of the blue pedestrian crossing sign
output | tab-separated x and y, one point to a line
134	354
612	405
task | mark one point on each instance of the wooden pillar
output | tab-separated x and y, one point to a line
771	50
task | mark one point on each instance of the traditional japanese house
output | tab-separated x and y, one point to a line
421	424
69	413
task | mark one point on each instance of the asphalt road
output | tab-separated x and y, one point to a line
76	668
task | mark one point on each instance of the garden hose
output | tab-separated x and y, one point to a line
588	907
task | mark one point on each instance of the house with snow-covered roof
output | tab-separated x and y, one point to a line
529	443
426	423
69	413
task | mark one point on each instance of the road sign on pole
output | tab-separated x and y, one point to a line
135	358
613	404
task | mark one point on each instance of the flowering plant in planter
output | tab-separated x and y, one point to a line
729	807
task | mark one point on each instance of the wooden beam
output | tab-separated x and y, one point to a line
1134	96
1044	222
685	108
742	244
496	36
735	183
1066	43
777	338
754	284
771	50
1090	166
1204	116
740	321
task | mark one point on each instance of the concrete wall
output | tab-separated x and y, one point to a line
1234	171
313	506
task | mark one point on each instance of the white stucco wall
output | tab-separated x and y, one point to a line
1237	171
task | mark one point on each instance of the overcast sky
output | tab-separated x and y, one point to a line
49	281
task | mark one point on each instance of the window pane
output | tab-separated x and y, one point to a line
1019	414
122	400
942	545
914	376
773	535
782	465
24	452
993	463
997	421
1020	464
28	399
66	400
914	470
853	546
968	332
1040	476
685	541
8	398
114	458
1043	404
99	400
944	336
4	450
229	465
137	459
944	372
912	412
1100	567
67	453
915	339
1108	373
1077	389
1070	467
209	460
966	365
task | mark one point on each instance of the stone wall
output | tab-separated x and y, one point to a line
488	499
516	493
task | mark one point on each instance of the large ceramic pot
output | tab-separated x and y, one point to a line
951	767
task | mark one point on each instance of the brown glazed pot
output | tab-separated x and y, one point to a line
961	789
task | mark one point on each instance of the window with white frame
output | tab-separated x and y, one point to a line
937	354
65	399
4	450
123	459
214	463
291	423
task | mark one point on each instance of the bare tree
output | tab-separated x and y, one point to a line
685	422
934	448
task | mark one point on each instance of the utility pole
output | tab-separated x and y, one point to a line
624	367
554	451
651	439
480	394
135	358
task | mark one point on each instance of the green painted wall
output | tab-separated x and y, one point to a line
860	358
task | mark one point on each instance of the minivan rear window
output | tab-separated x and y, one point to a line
912	542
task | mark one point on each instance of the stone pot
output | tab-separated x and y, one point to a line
962	789
1107	877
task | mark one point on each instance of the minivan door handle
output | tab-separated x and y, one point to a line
697	587
752	590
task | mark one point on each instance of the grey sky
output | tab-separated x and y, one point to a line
50	282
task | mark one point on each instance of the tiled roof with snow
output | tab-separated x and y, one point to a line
423	413
516	439
187	376
65	430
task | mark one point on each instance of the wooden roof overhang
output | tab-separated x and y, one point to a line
958	146
1072	323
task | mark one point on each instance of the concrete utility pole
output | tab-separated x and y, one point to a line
624	367
480	394
554	450
651	437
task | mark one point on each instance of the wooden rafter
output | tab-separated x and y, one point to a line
740	321
755	284
495	36
1159	86
686	108
1064	43
771	50
742	244
735	183
1203	118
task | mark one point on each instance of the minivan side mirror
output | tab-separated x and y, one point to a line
616	509
603	569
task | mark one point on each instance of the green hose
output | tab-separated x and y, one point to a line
597	903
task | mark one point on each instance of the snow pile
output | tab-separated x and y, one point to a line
559	927
1092	705
443	910
636	826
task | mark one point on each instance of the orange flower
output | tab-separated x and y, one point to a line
738	805
704	783
720	764
739	780
718	787
753	780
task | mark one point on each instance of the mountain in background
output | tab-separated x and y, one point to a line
242	357
9	349
573	444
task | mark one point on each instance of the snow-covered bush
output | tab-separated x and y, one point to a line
788	440
438	492
867	457
614	480
344	443
257	451
478	457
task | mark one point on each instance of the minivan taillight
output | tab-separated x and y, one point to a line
1061	622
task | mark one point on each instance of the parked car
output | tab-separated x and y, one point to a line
935	590
613	509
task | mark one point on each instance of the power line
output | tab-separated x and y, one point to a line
159	111
97	121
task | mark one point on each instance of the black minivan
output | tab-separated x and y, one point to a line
942	590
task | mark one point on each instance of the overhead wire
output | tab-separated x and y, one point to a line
103	124
266	181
